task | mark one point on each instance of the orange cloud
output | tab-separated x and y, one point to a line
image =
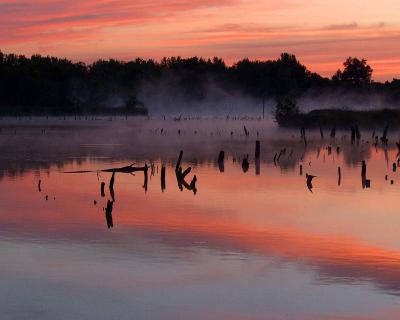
321	35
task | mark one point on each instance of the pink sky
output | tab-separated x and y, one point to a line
321	33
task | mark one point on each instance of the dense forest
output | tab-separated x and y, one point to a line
50	85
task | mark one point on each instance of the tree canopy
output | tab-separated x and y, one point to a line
50	85
356	72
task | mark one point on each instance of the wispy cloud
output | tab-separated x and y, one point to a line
232	29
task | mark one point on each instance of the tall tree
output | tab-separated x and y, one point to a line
355	72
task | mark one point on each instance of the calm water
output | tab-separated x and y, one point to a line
247	245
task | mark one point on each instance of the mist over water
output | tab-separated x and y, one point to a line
344	99
167	97
256	240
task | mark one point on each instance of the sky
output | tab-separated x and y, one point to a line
322	34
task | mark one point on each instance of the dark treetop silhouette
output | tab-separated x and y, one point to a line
49	85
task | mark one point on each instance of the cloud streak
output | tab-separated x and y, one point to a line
321	35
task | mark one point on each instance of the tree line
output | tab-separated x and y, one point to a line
50	85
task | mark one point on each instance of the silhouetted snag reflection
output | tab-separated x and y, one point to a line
303	135
357	130
353	135
245	164
163	178
178	163
109	218
221	158
186	172
398	148
394	167
193	184
257	157
146	177
301	170
126	169
365	183
384	138
363	169
39	185
309	179
333	133
102	185
111	186
339	176
180	176
257	163
257	152
246	132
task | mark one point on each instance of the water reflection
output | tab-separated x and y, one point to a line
258	222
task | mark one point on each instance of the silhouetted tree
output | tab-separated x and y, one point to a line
355	72
49	85
285	109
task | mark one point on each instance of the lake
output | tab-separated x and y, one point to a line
261	243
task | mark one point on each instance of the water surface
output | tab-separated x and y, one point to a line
247	245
